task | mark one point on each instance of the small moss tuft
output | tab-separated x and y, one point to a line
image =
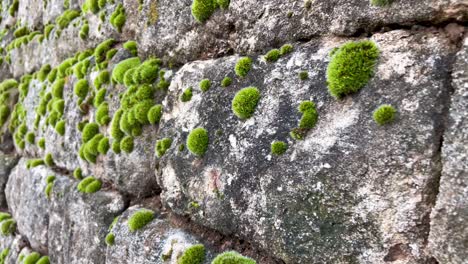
78	174
193	255
155	114
43	260
118	18
32	258
224	4
243	66
89	185
273	55
245	102
139	219
30	137
186	95
48	189
81	88
232	257
197	141
102	114
60	127
127	144
227	81
162	146
41	143
203	9
303	75
49	160
132	47
89	131
205	85
8	227
308	120
122	67
385	114
102	49
351	67
286	49
381	3
103	146
278	147
110	239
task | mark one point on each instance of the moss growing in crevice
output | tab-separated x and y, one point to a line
227	81
81	88
78	174
102	78
273	55
186	95
64	20
60	127
103	146
32	258
8	227
308	120
84	31
102	114
102	49
89	131
245	102
140	219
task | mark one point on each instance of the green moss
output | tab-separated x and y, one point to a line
381	3
118	18
162	146
278	147
141	110
127	144
41	143
227	81
102	114
155	114
100	96
50	178
43	260
286	49
308	120
49	160
84	31
132	47
52	75
273	55
92	5
303	75
13	8
4	255
4	216
78	174
81	88
4	114
102	3
186	95
22	31
140	219
197	141
43	72
57	88
89	131
245	102
60	127
103	146
32	258
203	9
351	67
243	66
47	30
8	227
89	185
34	163
115	131
123	66
205	85
232	257
193	255
110	239
385	114
30	137
59	106
116	146
147	72
102	49
48	189
64	20
224	4
102	78
110	54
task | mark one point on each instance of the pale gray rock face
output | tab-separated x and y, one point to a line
448	240
15	245
158	242
352	191
7	162
28	203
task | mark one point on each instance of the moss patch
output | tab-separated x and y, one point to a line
278	147
162	146
110	239
245	102
186	95
243	66
205	85
385	114
203	9
193	255
232	257
89	185
197	141
139	219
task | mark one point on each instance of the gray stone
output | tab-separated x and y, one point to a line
352	191
15	245
7	162
448	240
158	242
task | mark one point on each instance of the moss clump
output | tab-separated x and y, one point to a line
139	219
243	66
30	137
155	114
102	49
81	88
102	114
303	75
89	185
34	163
232	257
203	9
351	67
162	146
193	255
116	147
49	160
115	131
118	18
141	110
41	143
60	127
186	95
147	72
8	227
308	120
245	102
286	49
52	75
110	239
273	55
120	69
99	97
32	258
224	4
64	20
197	141
205	85
102	78
227	81
3	255
43	72
381	3
84	31
89	131
78	174
103	146
278	147
43	260
132	47
385	114
57	88
127	144
48	189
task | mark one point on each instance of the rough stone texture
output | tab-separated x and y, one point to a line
7	162
448	240
15	244
78	223
28	203
351	191
151	243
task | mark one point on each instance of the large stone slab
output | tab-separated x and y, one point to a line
448	238
352	191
